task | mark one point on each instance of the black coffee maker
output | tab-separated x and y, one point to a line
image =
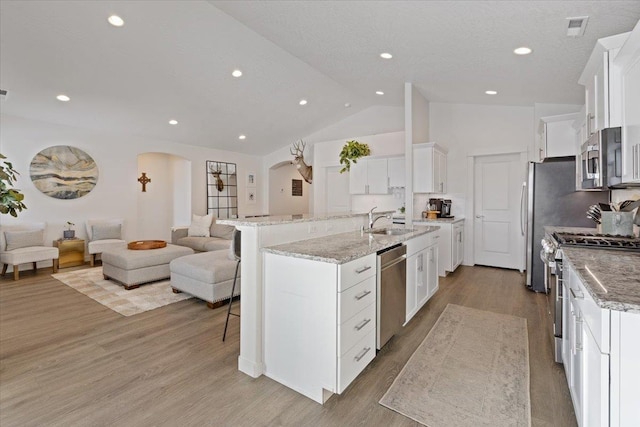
438	205
445	212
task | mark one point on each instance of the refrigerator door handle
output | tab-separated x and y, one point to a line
522	213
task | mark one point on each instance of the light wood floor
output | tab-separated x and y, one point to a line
66	360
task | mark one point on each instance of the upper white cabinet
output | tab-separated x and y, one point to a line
626	71
429	168
557	136
369	176
395	169
602	86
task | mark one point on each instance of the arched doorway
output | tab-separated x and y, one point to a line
167	201
288	192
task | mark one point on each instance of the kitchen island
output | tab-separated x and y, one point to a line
265	231
321	304
600	345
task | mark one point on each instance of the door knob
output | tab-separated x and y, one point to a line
479	216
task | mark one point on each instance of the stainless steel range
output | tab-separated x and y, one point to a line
551	254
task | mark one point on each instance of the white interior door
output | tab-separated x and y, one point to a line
497	237
338	197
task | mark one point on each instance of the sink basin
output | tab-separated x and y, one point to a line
392	231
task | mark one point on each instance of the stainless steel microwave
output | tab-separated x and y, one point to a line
601	160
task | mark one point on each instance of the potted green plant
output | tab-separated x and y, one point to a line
69	233
351	152
10	198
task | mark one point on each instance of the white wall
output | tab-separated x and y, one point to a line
372	121
117	190
281	202
325	155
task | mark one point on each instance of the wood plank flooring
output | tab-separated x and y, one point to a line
66	360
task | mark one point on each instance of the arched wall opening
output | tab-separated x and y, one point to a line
281	198
166	202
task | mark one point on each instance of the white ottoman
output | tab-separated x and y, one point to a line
206	275
135	267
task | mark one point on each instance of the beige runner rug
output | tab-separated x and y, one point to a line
91	282
472	369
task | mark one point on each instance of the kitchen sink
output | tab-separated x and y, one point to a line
391	231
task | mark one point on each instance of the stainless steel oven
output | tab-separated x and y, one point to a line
551	255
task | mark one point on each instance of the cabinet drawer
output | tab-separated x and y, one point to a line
355	328
594	317
418	243
356	271
356	298
355	360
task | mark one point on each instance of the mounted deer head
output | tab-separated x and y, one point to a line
298	160
216	175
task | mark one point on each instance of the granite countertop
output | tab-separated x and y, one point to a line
611	277
344	247
446	220
289	219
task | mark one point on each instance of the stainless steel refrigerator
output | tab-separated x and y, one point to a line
554	201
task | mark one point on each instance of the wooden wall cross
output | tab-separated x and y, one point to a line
144	181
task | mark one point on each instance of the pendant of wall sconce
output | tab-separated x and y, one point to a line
144	180
216	175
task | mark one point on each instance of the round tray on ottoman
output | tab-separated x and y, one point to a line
146	244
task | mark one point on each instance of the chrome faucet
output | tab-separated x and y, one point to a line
373	220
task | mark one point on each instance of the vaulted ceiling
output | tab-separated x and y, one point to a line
173	60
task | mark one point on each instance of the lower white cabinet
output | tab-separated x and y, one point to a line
601	357
319	322
422	272
451	244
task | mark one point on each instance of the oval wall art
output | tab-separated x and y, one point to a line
64	172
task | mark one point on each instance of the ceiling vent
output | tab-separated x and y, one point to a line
3	94
576	26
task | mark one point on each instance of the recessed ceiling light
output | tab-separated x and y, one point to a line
242	137
236	73
379	92
115	20
386	55
63	98
303	102
522	50
173	122
490	92
347	104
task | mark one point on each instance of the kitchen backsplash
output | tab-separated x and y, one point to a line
384	202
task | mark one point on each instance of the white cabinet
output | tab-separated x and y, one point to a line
558	135
602	86
429	168
369	176
451	243
422	272
601	354
626	67
396	171
319	322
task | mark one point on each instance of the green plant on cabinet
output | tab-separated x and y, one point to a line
351	152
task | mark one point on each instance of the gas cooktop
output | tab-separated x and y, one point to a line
598	241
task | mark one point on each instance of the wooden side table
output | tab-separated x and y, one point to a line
71	252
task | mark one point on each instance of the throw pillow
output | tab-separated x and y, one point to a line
106	231
200	226
23	239
222	231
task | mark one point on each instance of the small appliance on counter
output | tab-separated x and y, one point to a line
446	209
441	207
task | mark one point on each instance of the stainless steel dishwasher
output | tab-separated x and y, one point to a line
392	292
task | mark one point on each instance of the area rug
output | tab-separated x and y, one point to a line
472	369
91	282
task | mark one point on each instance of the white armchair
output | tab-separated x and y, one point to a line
104	234
24	243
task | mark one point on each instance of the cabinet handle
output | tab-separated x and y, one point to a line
362	324
360	355
363	269
362	295
573	294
